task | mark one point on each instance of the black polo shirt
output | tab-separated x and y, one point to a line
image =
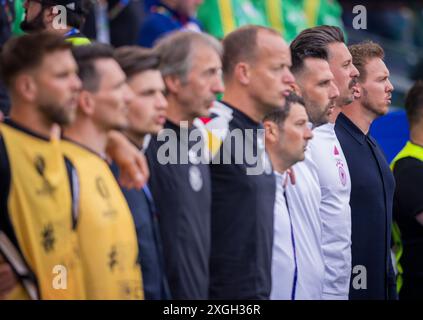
242	216
372	191
182	193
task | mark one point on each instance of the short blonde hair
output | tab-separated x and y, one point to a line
362	53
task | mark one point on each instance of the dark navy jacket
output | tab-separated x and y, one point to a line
150	252
372	191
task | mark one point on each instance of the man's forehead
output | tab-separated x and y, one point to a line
148	74
206	56
109	70
339	51
270	42
377	66
198	67
58	59
150	78
317	66
108	65
298	111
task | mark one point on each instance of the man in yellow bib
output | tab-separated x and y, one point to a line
106	231
37	213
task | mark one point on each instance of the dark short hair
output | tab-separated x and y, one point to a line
319	37
313	43
27	52
134	60
85	57
279	115
361	54
241	45
414	104
299	54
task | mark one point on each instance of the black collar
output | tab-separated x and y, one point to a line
84	147
241	115
26	130
354	131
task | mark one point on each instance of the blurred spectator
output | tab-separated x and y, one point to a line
408	200
124	24
148	4
168	15
115	21
41	15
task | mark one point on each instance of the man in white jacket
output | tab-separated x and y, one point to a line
287	134
327	160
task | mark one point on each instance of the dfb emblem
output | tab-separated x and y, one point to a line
195	178
342	173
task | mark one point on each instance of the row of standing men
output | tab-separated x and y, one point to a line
225	233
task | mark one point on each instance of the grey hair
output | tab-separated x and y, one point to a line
176	50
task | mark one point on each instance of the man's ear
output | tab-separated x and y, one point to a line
243	73
26	87
358	91
50	14
296	89
271	132
173	84
86	103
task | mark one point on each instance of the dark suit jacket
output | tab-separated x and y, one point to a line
372	191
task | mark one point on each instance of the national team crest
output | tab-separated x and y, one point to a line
195	178
342	173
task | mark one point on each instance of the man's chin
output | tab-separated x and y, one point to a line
204	113
155	131
344	101
383	111
118	127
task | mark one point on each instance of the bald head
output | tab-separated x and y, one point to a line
256	63
242	46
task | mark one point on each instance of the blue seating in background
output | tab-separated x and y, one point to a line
391	132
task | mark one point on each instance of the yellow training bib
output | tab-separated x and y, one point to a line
40	210
106	230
